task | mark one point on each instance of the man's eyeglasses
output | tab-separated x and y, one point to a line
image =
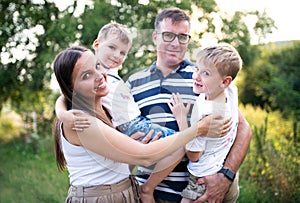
170	36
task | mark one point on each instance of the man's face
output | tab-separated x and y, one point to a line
170	54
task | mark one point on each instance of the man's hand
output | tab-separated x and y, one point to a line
217	186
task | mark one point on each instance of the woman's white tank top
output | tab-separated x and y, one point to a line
87	168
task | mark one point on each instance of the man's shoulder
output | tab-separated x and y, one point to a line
187	66
140	73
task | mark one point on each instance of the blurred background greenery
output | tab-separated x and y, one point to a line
33	32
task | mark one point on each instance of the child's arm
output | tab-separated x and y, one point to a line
75	119
179	110
194	156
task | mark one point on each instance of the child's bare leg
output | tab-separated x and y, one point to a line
161	170
185	200
146	193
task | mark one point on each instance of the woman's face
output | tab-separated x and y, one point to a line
88	77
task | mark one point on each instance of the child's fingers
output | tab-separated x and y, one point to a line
188	106
137	135
76	112
82	125
156	137
77	129
178	98
81	119
147	138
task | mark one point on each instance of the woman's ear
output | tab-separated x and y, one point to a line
226	81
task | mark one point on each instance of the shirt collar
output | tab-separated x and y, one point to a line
182	65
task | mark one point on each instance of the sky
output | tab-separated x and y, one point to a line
284	13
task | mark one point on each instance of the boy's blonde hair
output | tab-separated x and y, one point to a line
114	28
224	57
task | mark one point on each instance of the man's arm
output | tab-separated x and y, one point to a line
218	185
241	145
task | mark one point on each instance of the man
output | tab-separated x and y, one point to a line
152	88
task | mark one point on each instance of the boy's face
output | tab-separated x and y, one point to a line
207	80
111	52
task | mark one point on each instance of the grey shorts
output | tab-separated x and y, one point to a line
193	190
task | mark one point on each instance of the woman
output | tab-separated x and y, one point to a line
93	157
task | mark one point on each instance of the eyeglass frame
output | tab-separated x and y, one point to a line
175	35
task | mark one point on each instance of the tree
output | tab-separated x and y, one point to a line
30	36
39	31
273	82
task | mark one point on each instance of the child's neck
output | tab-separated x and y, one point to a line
220	98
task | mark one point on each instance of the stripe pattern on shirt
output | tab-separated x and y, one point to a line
152	91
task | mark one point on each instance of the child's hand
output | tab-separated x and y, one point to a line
178	108
141	137
80	120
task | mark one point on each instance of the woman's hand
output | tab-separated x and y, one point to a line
214	126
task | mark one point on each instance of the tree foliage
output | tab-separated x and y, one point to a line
22	64
33	33
273	82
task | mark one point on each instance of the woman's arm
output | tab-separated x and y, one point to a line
110	143
114	145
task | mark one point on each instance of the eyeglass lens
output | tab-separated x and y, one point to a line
170	36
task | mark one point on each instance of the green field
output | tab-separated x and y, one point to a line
269	173
28	175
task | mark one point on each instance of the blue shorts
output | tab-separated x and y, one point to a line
143	124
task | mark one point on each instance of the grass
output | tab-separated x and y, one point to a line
29	175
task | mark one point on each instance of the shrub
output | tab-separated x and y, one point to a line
271	163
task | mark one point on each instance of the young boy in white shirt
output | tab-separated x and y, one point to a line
217	66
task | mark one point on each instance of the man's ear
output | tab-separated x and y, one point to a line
226	81
154	37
